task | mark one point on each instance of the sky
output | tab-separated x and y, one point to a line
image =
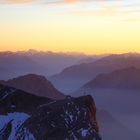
88	26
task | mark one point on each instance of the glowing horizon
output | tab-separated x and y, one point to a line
91	27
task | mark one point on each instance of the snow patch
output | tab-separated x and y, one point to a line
84	132
17	120
27	135
7	93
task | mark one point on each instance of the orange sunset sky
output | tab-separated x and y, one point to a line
89	26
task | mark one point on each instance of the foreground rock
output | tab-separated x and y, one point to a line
68	119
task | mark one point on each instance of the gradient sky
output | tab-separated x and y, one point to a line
89	26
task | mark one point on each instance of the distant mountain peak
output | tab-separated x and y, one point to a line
31	76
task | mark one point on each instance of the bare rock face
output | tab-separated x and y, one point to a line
14	100
67	119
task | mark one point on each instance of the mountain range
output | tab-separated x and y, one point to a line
15	64
127	78
35	84
73	70
18	63
73	77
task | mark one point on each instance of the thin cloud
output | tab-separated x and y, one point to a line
15	1
121	8
50	1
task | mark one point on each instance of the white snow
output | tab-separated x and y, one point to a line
46	104
28	135
71	117
16	118
68	116
73	136
6	93
84	132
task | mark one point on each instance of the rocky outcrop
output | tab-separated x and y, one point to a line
67	119
13	100
71	119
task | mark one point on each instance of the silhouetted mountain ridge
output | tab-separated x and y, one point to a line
35	84
38	62
128	78
78	75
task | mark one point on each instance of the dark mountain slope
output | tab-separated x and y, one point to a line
14	100
68	119
35	84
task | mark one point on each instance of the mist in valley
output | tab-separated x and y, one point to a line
118	112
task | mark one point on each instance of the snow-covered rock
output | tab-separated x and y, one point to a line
28	117
11	122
